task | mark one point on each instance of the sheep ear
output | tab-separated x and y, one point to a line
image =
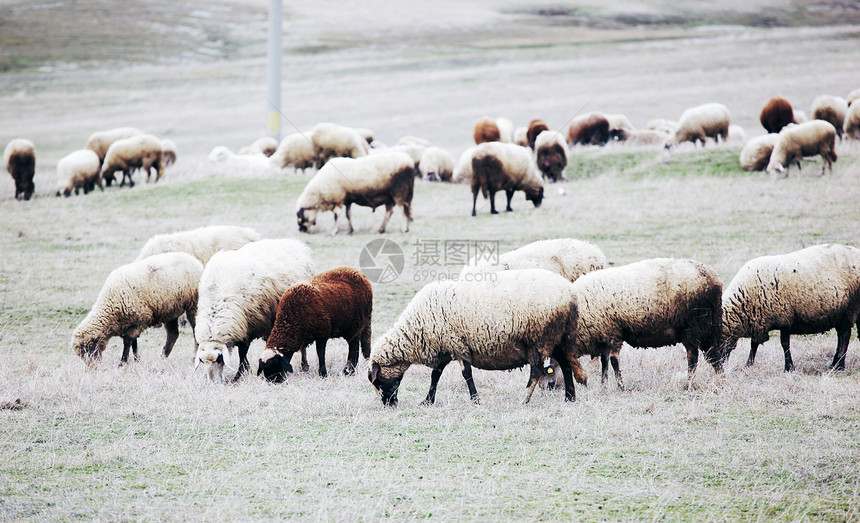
374	372
220	359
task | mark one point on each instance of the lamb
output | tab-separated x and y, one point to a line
202	242
550	154
808	291
335	141
486	130
536	127
78	170
265	145
506	130
379	179
651	303
776	114
756	152
851	126
806	139
139	295
100	141
504	167
168	152
830	109
566	257
588	129
239	295
436	165
138	152
296	151
333	304
20	160
699	123
522	317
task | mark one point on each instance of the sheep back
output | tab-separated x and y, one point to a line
831	109
436	164
851	126
567	257
486	130
588	129
756	152
296	151
535	127
19	157
701	122
100	141
776	114
336	141
202	243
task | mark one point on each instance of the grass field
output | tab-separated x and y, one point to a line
155	441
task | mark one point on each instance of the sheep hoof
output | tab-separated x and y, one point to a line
349	371
305	367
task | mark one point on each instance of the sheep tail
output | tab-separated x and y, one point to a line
365	341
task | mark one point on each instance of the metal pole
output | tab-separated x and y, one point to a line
274	68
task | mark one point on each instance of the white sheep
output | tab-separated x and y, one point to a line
139	295
138	152
505	167
19	157
202	242
830	109
756	152
521	136
239	295
100	141
697	124
851	126
651	303
436	165
78	170
265	145
414	150
296	151
169	152
808	291
815	137
385	179
506	130
618	122
513	319
853	96
550	155
566	257
463	169
736	133
220	154
334	141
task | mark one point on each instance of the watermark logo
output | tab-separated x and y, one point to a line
381	260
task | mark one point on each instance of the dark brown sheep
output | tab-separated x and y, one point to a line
20	160
589	129
776	114
333	304
504	167
486	130
536	127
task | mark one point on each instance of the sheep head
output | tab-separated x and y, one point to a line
386	381
89	349
534	195
306	218
274	366
211	355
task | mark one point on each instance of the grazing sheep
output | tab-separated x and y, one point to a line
808	291
336	141
239	295
588	129
776	114
296	151
333	304
651	303
78	170
20	160
807	139
265	145
567	257
365	133
139	295
504	167
100	141
518	318
618	122
463	170
830	109
521	136
379	179
699	123
168	152
138	152
756	152
436	165
640	137
736	133
202	242
851	127
550	153
536	127
486	130
852	97
506	130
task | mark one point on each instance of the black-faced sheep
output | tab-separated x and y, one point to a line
78	170
504	167
551	155
776	114
536	127
808	291
486	130
815	137
202	242
19	157
831	109
851	126
699	123
756	152
336	141
518	318
436	165
100	141
588	129
333	304
651	303
138	152
139	295
239	295
379	179
296	151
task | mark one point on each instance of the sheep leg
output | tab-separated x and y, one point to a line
348	212
321	356
352	357
407	215
244	366
510	194
474	199
842	337
784	339
753	348
190	315
493	203
334	228
567	373
604	366
467	375
434	381
127	343
304	365
172	328
389	209
535	373
692	358
613	359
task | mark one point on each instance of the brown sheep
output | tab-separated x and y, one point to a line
486	130
333	304
551	155
20	159
776	114
504	167
535	128
589	129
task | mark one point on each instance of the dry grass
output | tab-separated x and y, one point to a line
155	441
